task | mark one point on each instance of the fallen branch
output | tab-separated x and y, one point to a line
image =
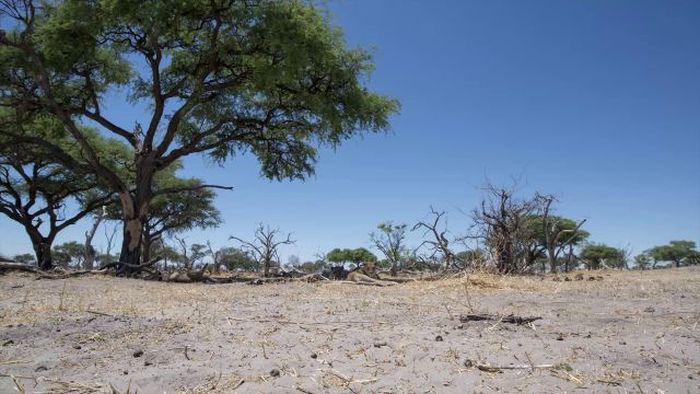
504	319
328	323
397	279
99	313
379	283
74	274
498	368
17	267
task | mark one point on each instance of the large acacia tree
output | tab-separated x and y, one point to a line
45	197
219	77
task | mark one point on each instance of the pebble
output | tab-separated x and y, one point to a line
275	373
138	353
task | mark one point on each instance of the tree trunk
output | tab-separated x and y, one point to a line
552	261
132	234
146	249
42	249
569	259
89	258
266	268
135	209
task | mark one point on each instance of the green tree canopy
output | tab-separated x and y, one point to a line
596	256
390	242
355	256
574	236
234	258
677	252
38	192
223	78
25	258
69	253
643	260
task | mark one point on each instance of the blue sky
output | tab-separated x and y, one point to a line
597	102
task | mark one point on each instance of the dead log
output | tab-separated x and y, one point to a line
513	319
66	275
17	267
397	279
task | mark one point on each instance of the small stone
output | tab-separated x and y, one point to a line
468	363
560	337
147	363
77	347
138	353
380	344
41	368
314	355
649	309
125	372
275	373
567	279
439	338
8	342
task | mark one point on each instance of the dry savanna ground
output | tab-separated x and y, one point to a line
631	332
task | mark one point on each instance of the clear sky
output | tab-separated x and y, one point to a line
597	102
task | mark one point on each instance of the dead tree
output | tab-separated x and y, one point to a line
264	247
439	244
502	223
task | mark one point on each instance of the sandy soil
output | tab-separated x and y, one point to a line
631	332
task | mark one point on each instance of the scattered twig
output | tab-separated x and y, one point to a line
237	385
99	313
611	382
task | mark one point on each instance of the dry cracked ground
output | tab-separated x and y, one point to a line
633	332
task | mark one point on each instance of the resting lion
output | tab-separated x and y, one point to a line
366	274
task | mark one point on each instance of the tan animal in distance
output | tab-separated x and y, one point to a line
366	274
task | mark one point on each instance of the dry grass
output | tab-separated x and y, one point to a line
273	325
127	297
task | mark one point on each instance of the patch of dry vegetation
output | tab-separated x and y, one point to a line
629	328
